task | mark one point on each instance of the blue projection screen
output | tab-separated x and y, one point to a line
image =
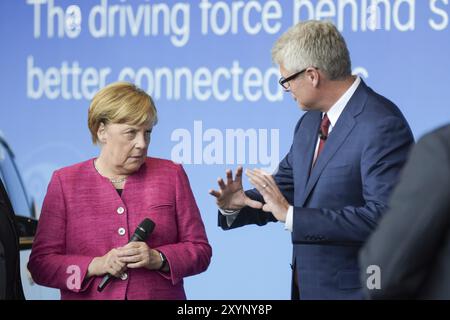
207	64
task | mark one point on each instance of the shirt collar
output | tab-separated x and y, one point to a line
336	110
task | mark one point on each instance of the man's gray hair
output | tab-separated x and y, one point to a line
313	44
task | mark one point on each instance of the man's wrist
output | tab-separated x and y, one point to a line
284	212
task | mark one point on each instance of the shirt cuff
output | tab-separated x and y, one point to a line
230	215
288	225
228	212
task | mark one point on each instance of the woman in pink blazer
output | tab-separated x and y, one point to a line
91	210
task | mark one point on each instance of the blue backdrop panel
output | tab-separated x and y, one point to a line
209	68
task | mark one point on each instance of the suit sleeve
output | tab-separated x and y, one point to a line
383	155
412	230
49	264
192	253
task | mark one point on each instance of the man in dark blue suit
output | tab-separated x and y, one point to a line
333	186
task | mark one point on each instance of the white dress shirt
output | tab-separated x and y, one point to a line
333	115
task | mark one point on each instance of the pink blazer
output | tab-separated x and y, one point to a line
83	217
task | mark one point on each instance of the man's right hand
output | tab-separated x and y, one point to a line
231	195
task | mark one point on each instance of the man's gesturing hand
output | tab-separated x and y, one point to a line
231	195
274	200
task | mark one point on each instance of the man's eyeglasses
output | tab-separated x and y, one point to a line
284	82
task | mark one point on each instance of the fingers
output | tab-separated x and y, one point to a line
143	260
267	176
116	268
117	265
136	265
260	183
214	193
238	177
221	184
131	259
217	195
264	179
132	244
252	203
268	179
266	208
133	255
128	252
229	175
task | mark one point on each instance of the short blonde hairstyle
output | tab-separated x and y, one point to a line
313	44
120	102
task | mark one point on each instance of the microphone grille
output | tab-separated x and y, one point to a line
145	228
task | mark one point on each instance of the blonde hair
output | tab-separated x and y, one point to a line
120	102
313	44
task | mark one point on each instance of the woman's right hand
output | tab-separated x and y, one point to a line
107	264
231	195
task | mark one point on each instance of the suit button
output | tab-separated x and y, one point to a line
124	276
120	210
121	231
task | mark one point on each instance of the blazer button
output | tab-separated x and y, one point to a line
121	231
124	276
120	210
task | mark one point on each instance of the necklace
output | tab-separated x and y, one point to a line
117	180
112	180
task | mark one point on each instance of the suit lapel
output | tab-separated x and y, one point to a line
337	137
306	144
334	142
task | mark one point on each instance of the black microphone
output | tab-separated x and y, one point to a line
144	229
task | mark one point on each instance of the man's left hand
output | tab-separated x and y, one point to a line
274	200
